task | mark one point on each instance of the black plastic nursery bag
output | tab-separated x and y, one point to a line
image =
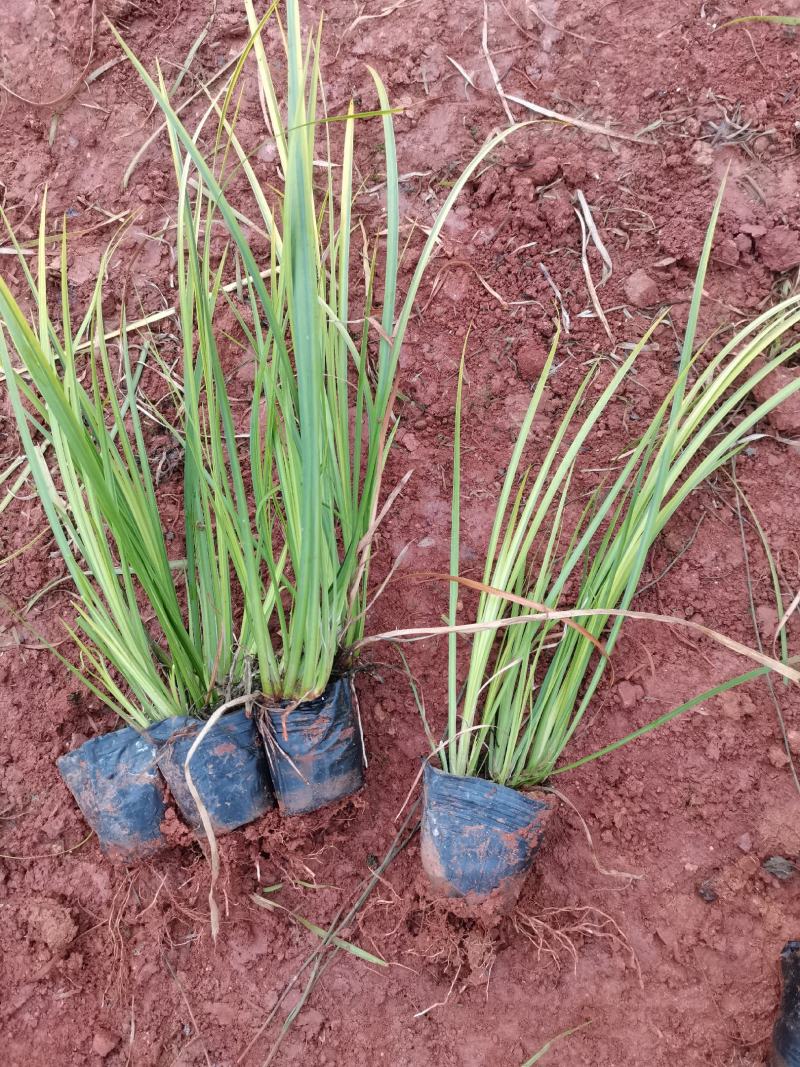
116	784
786	1032
229	770
315	749
478	838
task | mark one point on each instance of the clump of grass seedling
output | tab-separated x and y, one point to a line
100	502
321	418
281	510
535	662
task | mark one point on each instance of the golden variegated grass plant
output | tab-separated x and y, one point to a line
280	513
321	417
100	502
530	679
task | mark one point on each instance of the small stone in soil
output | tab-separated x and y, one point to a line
530	360
780	248
629	694
702	154
726	252
545	171
104	1043
777	756
707	892
745	843
640	290
780	867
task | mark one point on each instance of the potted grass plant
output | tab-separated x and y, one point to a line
239	646
155	636
296	493
533	668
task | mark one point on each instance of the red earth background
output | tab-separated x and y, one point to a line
677	965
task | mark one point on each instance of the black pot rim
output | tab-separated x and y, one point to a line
273	703
118	737
489	782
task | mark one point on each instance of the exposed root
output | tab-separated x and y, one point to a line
119	904
463	949
555	932
144	897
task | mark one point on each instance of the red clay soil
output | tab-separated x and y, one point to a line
673	963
